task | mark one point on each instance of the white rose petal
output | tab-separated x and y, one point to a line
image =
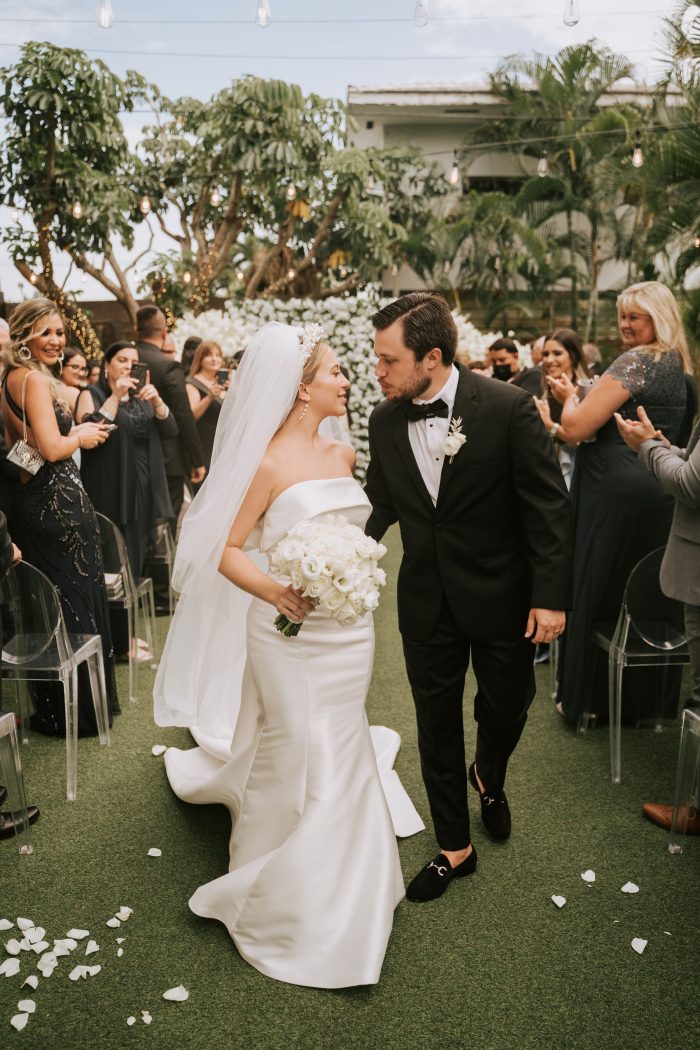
630	887
25	924
176	995
153	852
5	924
25	944
667	933
124	913
120	940
26	1006
77	935
40	947
32	981
158	749
47	959
9	968
588	876
146	1017
93	970
639	944
19	1021
120	952
70	943
37	933
13	946
114	923
92	947
77	973
131	1021
559	901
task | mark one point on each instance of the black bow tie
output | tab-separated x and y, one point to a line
432	408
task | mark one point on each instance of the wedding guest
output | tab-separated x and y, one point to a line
206	392
562	354
505	365
93	373
53	513
169	349
593	359
74	372
125	478
621	513
678	472
184	456
188	350
536	351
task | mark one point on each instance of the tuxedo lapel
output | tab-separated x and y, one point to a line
399	424
465	406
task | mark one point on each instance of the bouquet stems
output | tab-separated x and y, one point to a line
287	627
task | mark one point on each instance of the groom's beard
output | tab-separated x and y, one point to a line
412	390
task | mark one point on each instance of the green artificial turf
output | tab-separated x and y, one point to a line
493	964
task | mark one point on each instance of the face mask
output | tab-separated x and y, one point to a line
502	372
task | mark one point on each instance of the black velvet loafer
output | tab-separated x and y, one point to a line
432	881
10	825
495	812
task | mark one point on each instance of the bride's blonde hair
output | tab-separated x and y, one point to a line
314	362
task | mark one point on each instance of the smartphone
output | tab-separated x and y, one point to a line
222	376
139	371
111	427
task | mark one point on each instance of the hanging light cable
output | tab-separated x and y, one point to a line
105	14
543	165
637	153
572	14
421	14
453	177
263	17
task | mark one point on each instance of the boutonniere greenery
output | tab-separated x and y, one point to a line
455	438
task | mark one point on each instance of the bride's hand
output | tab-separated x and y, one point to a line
291	604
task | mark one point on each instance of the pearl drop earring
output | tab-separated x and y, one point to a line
306	409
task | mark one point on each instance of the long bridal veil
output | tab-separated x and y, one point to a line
201	669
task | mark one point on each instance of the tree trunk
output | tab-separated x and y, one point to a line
592	315
574	273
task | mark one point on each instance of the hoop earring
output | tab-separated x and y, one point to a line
306	409
24	353
60	358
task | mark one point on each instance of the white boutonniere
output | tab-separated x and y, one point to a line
455	438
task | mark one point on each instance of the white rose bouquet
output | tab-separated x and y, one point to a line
334	564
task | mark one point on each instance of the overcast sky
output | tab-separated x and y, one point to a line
324	45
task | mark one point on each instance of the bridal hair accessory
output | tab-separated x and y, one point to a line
455	438
24	353
309	338
22	454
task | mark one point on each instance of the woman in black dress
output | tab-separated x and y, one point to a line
621	513
206	393
125	478
54	521
562	354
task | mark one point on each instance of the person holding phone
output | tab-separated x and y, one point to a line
207	382
126	480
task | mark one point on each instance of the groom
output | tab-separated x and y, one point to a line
466	467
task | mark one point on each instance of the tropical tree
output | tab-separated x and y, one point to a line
66	168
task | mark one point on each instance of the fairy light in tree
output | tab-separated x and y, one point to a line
105	14
637	153
77	210
291	274
291	191
572	14
240	275
697	240
187	277
32	278
543	165
215	198
145	204
421	14
453	178
263	16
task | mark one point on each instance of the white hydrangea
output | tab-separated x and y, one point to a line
347	323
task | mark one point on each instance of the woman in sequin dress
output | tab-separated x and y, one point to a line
621	513
54	521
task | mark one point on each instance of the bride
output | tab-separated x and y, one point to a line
314	873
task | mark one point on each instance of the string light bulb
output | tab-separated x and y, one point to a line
32	278
637	153
394	270
572	14
239	275
187	277
145	204
454	174
77	210
697	240
543	165
215	198
421	14
291	191
291	274
263	16
105	14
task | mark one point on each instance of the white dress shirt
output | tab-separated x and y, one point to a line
427	436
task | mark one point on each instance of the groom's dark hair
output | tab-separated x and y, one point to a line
426	323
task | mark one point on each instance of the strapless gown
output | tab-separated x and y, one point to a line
314	872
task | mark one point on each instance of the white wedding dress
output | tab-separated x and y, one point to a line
314	872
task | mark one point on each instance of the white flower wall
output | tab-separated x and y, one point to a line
347	323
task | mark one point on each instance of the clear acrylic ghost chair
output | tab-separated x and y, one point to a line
649	633
687	779
37	647
163	553
126	593
11	777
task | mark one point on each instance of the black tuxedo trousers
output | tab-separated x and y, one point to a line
496	544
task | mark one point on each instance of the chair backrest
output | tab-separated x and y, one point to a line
32	618
118	575
655	617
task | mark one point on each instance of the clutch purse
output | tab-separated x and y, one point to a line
26	457
22	454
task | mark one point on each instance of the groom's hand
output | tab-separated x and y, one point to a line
544	625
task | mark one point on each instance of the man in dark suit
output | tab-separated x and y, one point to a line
465	466
183	454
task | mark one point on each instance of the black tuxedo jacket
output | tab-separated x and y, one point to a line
183	452
499	540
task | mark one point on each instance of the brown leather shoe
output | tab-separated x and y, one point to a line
663	815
